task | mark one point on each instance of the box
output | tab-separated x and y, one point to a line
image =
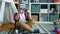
16	1
58	23
35	17
43	10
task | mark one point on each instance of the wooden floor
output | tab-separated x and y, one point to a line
7	26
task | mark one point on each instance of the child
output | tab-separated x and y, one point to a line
23	19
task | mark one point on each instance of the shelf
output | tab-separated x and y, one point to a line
43	10
35	8
53	16
44	6
44	3
44	17
54	8
35	12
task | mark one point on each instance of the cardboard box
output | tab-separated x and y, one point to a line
16	1
35	17
58	23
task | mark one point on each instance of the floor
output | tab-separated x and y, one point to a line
43	29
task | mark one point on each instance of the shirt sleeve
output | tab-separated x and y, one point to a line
27	16
15	16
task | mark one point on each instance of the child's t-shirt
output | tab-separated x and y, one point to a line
22	17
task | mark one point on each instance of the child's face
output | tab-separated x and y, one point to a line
21	11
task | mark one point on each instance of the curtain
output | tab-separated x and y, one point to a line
2	12
8	9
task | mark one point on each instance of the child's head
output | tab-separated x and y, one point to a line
21	8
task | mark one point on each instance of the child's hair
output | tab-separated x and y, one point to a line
19	9
26	10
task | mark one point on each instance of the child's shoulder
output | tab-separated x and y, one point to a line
15	14
26	12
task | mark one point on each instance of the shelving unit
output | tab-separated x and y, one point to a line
48	11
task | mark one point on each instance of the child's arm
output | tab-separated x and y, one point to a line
29	16
16	16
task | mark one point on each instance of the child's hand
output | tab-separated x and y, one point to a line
17	17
